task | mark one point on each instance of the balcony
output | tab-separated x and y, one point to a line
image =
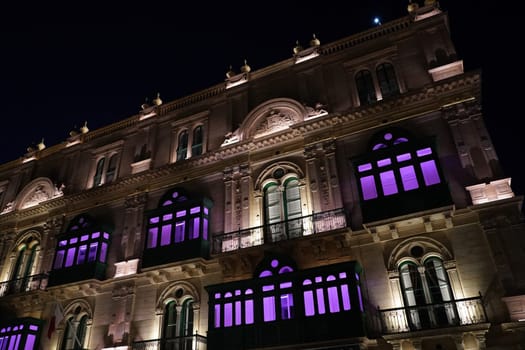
26	284
279	231
190	342
446	314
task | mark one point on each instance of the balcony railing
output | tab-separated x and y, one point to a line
190	342
283	230
24	284
446	314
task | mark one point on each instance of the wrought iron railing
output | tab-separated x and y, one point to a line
190	342
283	230
24	284
446	314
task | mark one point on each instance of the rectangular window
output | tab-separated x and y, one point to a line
82	250
333	299
70	258
368	187
152	237
205	228
345	295
228	320
238	313
286	306
423	152
248	311
167	217
408	177
388	182
364	167
309	305
430	172
217	315
59	260
320	301
92	252
103	252
403	157
194	227
154	220
179	231
195	210
165	237
384	162
269	308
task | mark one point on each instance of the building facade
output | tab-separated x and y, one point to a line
349	197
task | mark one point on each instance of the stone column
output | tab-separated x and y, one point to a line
312	174
132	237
228	199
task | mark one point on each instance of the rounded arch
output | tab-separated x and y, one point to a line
389	137
77	309
39	190
170	293
28	238
278	172
407	251
272	116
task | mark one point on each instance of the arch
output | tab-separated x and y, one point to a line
268	174
272	116
401	252
169	294
39	190
85	309
389	138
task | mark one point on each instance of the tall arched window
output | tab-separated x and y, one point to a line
177	328
169	329
427	294
112	168
365	87
98	173
196	146
74	333
25	259
386	77
182	146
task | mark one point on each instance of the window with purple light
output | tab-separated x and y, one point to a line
205	210
70	257
59	259
195	210
388	182
320	301
180	228
95	235
92	252
286	306
217	314
285	269
84	238
165	236
194	228
82	250
345	296
384	162
248	308
424	152
403	157
103	252
205	229
368	187
378	146
181	213
265	273
364	167
152	237
154	220
238	313
167	217
430	172
166	203
269	308
408	178
73	240
228	311
400	140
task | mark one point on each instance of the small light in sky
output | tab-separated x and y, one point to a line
377	21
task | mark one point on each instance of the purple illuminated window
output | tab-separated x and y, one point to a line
106	235
430	172
167	202
248	308
165	237
408	177
154	220
73	240
95	235
84	238
228	319
342	275
217	319
388	182
268	288
62	243
378	146
179	231
265	273
320	300
167	217
103	251
400	140
403	157
238	313
205	228
285	269
194	227
309	305
195	210
269	308
333	299
205	210
286	306
30	342
181	213
59	259
368	186
423	152
92	252
364	167
70	256
360	298
152	237
345	296
82	250
285	285
384	162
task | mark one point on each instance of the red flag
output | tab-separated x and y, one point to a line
56	318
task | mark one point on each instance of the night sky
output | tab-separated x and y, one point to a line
66	65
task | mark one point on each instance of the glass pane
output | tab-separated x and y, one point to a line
248	311
408	177
82	250
179	231
59	259
388	182
92	252
165	237
430	172
152	237
70	256
269	308
103	252
309	306
368	186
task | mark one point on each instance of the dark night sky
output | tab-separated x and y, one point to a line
66	65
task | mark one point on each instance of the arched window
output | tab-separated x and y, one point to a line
427	294
25	259
177	328
169	328
74	336
106	169
112	168
365	87
386	77
98	173
196	147
182	145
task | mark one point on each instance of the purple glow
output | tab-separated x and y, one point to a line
274	263
430	172
307	282
103	252
320	300
248	291
165	236
333	299
268	288
285	285
238	313
59	260
285	269
217	295
217	315
403	157
195	228
342	275
95	235
175	194
378	146
181	213
318	279
345	296
388	182
400	140
167	217
356	276
408	177
92	252
228	295
154	220
30	342
384	162
17	343
81	258
248	311
364	167
179	231
152	237
70	256
205	210
105	235
286	306
360	298
73	240
265	273
309	306
368	187
330	278
228	319
62	243
195	210
269	308
388	136
84	238
166	203
205	229
423	152
237	292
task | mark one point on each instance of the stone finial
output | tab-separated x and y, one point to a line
314	42
157	101
41	145
230	73
84	129
297	48
245	68
412	7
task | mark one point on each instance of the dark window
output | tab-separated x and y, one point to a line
365	87
386	77
182	148
98	173
196	148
